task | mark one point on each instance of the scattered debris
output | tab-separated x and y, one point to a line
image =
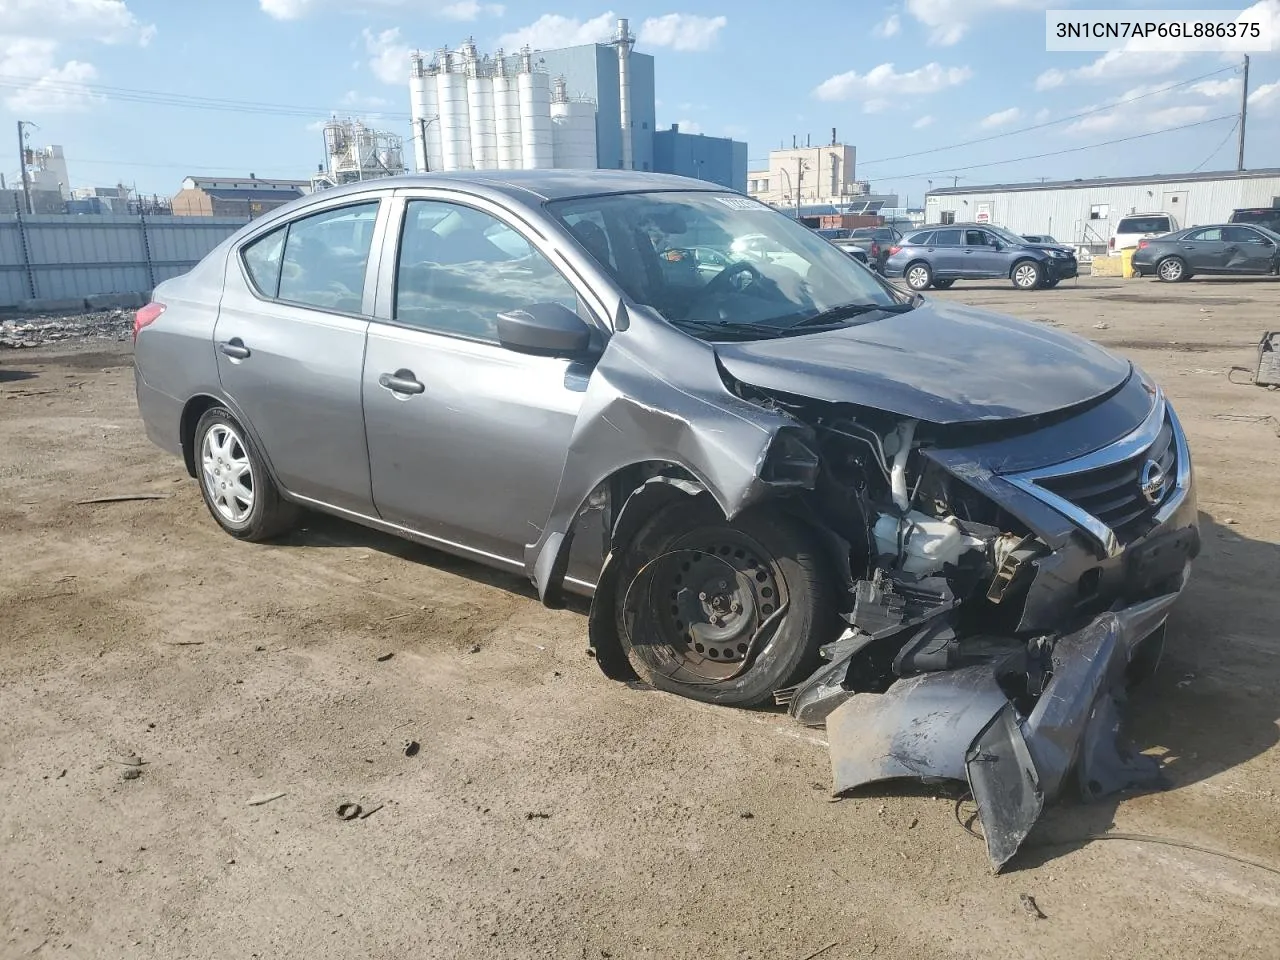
348	811
537	815
411	748
820	951
185	643
1029	905
1231	521
259	649
265	798
1185	681
1102	325
61	775
397	616
371	811
747	815
130	773
385	657
20	332
475	648
124	497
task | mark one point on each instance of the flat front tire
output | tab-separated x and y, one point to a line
234	481
724	612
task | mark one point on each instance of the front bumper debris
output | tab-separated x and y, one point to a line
1014	746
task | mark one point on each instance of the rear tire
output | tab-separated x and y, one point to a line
943	284
1027	275
234	481
678	625
1172	270
918	275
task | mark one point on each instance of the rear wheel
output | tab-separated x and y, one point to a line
918	275
724	612
1172	269
234	482
943	284
1027	274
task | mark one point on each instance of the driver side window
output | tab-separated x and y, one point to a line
459	267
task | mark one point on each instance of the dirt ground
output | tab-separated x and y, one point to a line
551	812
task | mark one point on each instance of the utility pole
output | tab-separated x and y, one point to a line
1244	110
422	139
22	166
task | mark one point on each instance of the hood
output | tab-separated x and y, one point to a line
940	363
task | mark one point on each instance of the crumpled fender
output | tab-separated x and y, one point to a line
655	395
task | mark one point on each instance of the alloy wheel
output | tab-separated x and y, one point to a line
918	278
226	473
1026	276
1171	270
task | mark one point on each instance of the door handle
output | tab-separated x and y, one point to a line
235	349
402	381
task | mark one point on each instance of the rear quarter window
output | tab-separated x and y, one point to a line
920	239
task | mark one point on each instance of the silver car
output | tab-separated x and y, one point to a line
779	478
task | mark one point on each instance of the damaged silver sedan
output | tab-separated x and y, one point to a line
950	536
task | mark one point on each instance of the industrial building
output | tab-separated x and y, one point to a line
586	106
355	151
716	159
249	198
1085	212
813	181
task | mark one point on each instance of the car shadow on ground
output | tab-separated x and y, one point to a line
1211	705
323	530
9	375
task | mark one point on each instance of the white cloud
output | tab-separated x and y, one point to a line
1216	88
949	20
32	33
1042	115
689	126
890	26
445	9
1001	118
884	81
388	56
361	101
1114	65
551	30
923	122
681	31
1266	97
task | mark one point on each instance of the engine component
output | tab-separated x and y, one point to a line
921	544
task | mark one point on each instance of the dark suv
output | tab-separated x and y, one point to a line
877	242
1268	217
939	256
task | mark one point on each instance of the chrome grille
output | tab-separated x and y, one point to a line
1113	493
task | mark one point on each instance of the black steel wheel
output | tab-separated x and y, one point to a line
724	612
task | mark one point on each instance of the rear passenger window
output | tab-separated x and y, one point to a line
326	256
947	238
1212	234
920	239
458	268
262	260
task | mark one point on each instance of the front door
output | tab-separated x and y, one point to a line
1248	251
1205	250
982	258
289	341
467	439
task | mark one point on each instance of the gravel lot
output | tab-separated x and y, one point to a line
549	811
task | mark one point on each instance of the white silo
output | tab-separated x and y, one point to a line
455	120
480	104
418	83
573	129
506	113
535	116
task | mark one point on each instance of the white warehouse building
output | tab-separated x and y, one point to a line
1084	212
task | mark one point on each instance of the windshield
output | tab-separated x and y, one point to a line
756	272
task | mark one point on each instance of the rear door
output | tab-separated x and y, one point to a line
1248	251
467	439
1204	250
289	343
946	254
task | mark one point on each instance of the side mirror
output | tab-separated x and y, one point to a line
544	330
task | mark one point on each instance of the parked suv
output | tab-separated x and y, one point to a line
1141	226
942	255
1268	217
877	242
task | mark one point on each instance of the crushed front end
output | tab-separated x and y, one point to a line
1006	586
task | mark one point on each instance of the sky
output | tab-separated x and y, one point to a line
146	92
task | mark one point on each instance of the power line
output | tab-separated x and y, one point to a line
1218	147
1056	153
1048	123
160	98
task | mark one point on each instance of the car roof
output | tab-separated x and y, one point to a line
545	184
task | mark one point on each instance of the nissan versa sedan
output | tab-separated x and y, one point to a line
1226	249
942	532
938	257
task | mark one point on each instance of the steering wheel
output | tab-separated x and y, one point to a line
725	278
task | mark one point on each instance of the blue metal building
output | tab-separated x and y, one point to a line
591	70
716	159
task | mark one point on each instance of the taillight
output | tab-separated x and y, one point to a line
875	249
1111	244
893	251
1142	244
146	316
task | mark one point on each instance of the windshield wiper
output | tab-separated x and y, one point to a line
728	327
849	311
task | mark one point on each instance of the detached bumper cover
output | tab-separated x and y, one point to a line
962	725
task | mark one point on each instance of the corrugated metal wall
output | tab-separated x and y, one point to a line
69	257
1066	213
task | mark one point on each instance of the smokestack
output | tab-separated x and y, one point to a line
833	136
624	41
